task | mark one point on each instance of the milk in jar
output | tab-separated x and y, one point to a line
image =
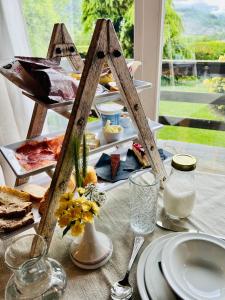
179	192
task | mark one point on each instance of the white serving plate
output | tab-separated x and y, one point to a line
106	96
8	151
194	266
156	285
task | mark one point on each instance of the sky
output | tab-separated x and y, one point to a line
219	4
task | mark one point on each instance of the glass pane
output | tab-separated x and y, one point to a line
193	72
79	17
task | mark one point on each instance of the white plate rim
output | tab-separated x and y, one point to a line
141	265
154	279
169	248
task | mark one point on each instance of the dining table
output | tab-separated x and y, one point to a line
208	216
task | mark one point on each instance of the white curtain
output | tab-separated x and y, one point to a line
15	109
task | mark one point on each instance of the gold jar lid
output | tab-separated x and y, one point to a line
184	162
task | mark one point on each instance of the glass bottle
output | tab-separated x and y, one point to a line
179	192
34	275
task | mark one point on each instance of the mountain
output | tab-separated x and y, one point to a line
201	18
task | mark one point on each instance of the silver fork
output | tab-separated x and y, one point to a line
122	289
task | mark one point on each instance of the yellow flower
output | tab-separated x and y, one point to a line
95	208
76	212
77	228
58	212
80	200
87	217
64	220
81	191
86	206
64	205
66	197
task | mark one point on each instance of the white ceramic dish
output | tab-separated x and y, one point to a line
111	137
153	248
156	285
194	265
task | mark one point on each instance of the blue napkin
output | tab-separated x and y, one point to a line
131	164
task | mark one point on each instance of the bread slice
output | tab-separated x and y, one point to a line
13	203
9	193
36	191
9	225
14	210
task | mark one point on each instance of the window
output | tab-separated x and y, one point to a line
79	17
193	72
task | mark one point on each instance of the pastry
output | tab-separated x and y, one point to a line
140	154
91	176
112	86
115	164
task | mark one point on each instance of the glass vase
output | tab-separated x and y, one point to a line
35	276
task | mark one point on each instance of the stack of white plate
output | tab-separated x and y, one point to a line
192	268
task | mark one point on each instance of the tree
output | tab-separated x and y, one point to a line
175	45
41	15
122	15
119	11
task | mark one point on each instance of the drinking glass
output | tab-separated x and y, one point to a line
143	194
35	276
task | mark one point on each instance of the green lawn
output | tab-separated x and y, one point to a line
191	135
191	110
193	86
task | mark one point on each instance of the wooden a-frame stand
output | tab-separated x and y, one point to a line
104	46
61	45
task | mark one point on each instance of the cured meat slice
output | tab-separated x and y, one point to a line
115	164
37	154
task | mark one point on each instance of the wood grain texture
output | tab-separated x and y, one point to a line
65	106
60	45
131	99
60	39
77	122
37	121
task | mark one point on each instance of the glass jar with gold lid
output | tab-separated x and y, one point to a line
179	192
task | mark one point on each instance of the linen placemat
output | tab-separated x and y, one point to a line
208	215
